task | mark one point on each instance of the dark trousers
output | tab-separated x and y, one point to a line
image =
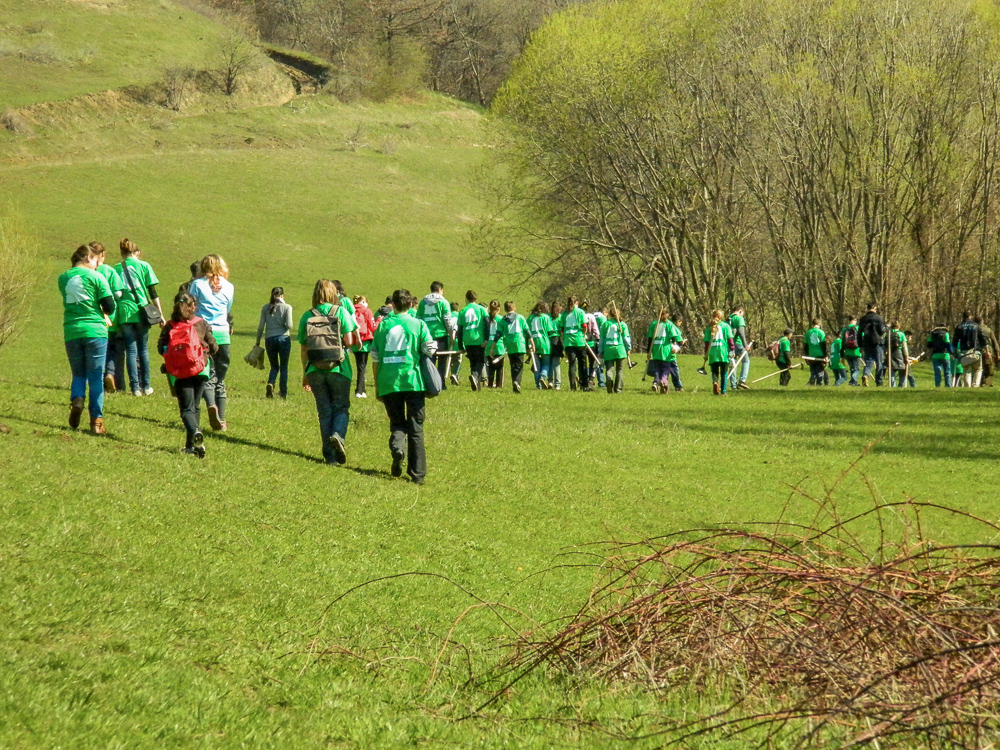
577	362
783	364
817	371
361	358
406	430
477	361
442	362
616	367
494	372
189	392
215	390
278	349
516	367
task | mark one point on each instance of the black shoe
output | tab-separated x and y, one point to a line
270	390
416	481
472	383
397	466
517	387
198	444
337	445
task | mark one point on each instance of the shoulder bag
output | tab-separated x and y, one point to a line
149	315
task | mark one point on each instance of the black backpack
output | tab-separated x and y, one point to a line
849	338
938	344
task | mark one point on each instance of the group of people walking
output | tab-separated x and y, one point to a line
109	310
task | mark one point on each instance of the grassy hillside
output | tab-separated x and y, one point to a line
57	49
156	601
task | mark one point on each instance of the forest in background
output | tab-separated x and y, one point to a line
803	158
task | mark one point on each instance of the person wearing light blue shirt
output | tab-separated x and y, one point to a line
214	294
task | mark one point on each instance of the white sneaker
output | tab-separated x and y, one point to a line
360	395
147	391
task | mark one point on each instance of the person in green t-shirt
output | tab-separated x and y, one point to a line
400	340
540	327
663	340
494	343
330	385
512	330
555	347
741	341
718	349
614	345
572	325
850	348
899	362
472	331
815	343
784	360
939	344
435	311
140	290
836	363
87	300
112	381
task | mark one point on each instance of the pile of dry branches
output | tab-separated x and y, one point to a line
824	637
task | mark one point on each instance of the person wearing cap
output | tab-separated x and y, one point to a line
784	360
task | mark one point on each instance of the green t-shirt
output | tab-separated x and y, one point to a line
142	276
718	344
396	349
514	329
346	302
785	348
835	362
81	290
737	321
117	286
470	323
540	327
814	341
945	355
494	340
663	336
435	311
347	325
856	351
614	336
571	325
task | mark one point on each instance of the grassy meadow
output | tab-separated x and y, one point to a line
262	598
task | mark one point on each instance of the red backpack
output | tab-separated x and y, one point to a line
185	355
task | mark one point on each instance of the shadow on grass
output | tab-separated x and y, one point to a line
68	432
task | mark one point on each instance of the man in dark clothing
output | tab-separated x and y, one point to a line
873	331
970	341
992	351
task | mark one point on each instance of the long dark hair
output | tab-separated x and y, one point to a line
183	300
276	294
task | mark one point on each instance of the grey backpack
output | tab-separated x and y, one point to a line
324	345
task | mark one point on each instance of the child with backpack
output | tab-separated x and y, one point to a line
366	332
939	343
187	343
850	348
784	358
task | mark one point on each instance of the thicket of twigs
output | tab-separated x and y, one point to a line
822	636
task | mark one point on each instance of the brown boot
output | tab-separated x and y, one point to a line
75	410
109	384
96	426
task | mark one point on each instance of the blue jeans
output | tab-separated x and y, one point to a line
899	376
855	364
875	357
839	375
741	373
332	392
86	362
942	369
136	341
542	361
278	349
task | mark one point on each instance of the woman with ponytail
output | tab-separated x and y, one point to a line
719	347
214	297
275	326
140	290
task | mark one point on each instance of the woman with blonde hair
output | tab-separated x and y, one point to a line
325	332
140	290
719	347
213	294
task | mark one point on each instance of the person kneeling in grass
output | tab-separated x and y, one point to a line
399	342
187	345
325	333
719	347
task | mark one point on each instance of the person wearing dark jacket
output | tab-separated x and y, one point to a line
190	388
970	343
873	332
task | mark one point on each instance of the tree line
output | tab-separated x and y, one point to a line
382	48
803	157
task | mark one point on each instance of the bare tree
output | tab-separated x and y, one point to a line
17	273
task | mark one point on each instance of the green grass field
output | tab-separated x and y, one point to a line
157	600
